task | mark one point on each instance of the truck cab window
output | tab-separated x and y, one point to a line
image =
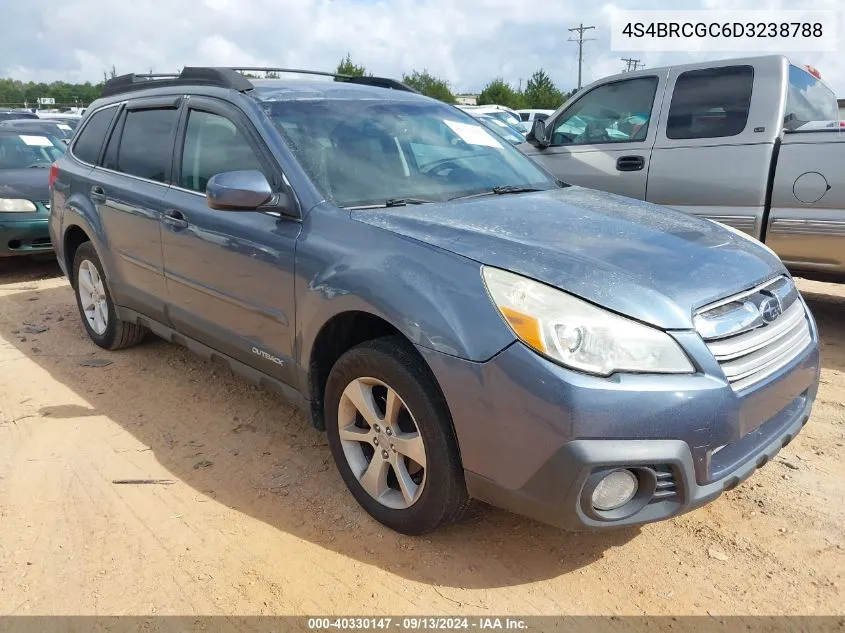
710	103
618	112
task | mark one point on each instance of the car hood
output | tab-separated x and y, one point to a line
651	263
31	184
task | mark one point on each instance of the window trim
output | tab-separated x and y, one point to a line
227	110
78	134
553	124
711	69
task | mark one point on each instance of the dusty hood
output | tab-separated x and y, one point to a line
642	260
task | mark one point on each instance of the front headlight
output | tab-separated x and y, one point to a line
578	334
16	205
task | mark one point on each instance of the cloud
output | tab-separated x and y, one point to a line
466	42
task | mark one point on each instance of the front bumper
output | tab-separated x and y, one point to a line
535	436
23	236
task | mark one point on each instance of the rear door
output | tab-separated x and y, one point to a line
603	139
230	274
130	188
714	150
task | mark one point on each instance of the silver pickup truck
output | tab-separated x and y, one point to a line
752	143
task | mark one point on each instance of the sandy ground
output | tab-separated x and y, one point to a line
257	521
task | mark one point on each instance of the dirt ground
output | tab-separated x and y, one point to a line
257	521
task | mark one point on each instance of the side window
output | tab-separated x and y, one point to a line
146	143
710	103
90	141
618	112
524	116
808	99
540	116
213	145
113	144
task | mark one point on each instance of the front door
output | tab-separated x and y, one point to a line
230	274
603	139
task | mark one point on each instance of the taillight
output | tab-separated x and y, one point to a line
54	174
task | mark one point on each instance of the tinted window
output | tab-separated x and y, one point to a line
540	116
524	116
710	103
808	99
146	144
618	112
87	146
213	145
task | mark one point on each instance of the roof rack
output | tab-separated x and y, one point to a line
379	82
229	77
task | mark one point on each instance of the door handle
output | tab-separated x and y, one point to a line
98	193
174	218
630	163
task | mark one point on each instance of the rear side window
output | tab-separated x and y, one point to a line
710	103
524	116
87	146
146	144
213	145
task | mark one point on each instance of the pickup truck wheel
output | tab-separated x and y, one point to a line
96	306
390	434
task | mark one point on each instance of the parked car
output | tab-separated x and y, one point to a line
511	134
6	115
736	141
459	322
503	113
57	128
527	117
25	160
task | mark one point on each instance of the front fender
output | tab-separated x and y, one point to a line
435	298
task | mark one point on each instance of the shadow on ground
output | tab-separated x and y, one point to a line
265	461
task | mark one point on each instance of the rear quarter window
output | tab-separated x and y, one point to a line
90	140
710	103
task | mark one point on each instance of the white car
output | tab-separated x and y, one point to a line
496	111
527	117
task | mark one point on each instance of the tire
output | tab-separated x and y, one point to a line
378	367
108	332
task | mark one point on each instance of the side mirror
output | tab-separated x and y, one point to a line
537	135
238	191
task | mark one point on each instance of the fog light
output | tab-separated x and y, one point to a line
615	490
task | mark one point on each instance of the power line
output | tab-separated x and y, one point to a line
631	64
580	29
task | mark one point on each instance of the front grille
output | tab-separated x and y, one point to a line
754	334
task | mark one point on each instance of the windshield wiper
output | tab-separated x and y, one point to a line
401	202
499	191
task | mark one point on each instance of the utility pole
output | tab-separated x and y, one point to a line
630	64
580	29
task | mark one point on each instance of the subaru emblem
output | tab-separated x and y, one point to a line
770	309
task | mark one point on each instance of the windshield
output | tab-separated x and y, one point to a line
509	133
366	152
504	115
20	151
808	99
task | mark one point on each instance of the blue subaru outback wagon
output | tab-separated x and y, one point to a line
459	322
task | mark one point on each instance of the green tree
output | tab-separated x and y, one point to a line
541	92
499	92
347	67
429	85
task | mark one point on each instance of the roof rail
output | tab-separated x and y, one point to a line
379	82
190	75
230	77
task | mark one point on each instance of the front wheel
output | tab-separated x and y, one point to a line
390	434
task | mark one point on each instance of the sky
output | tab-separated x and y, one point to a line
466	42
